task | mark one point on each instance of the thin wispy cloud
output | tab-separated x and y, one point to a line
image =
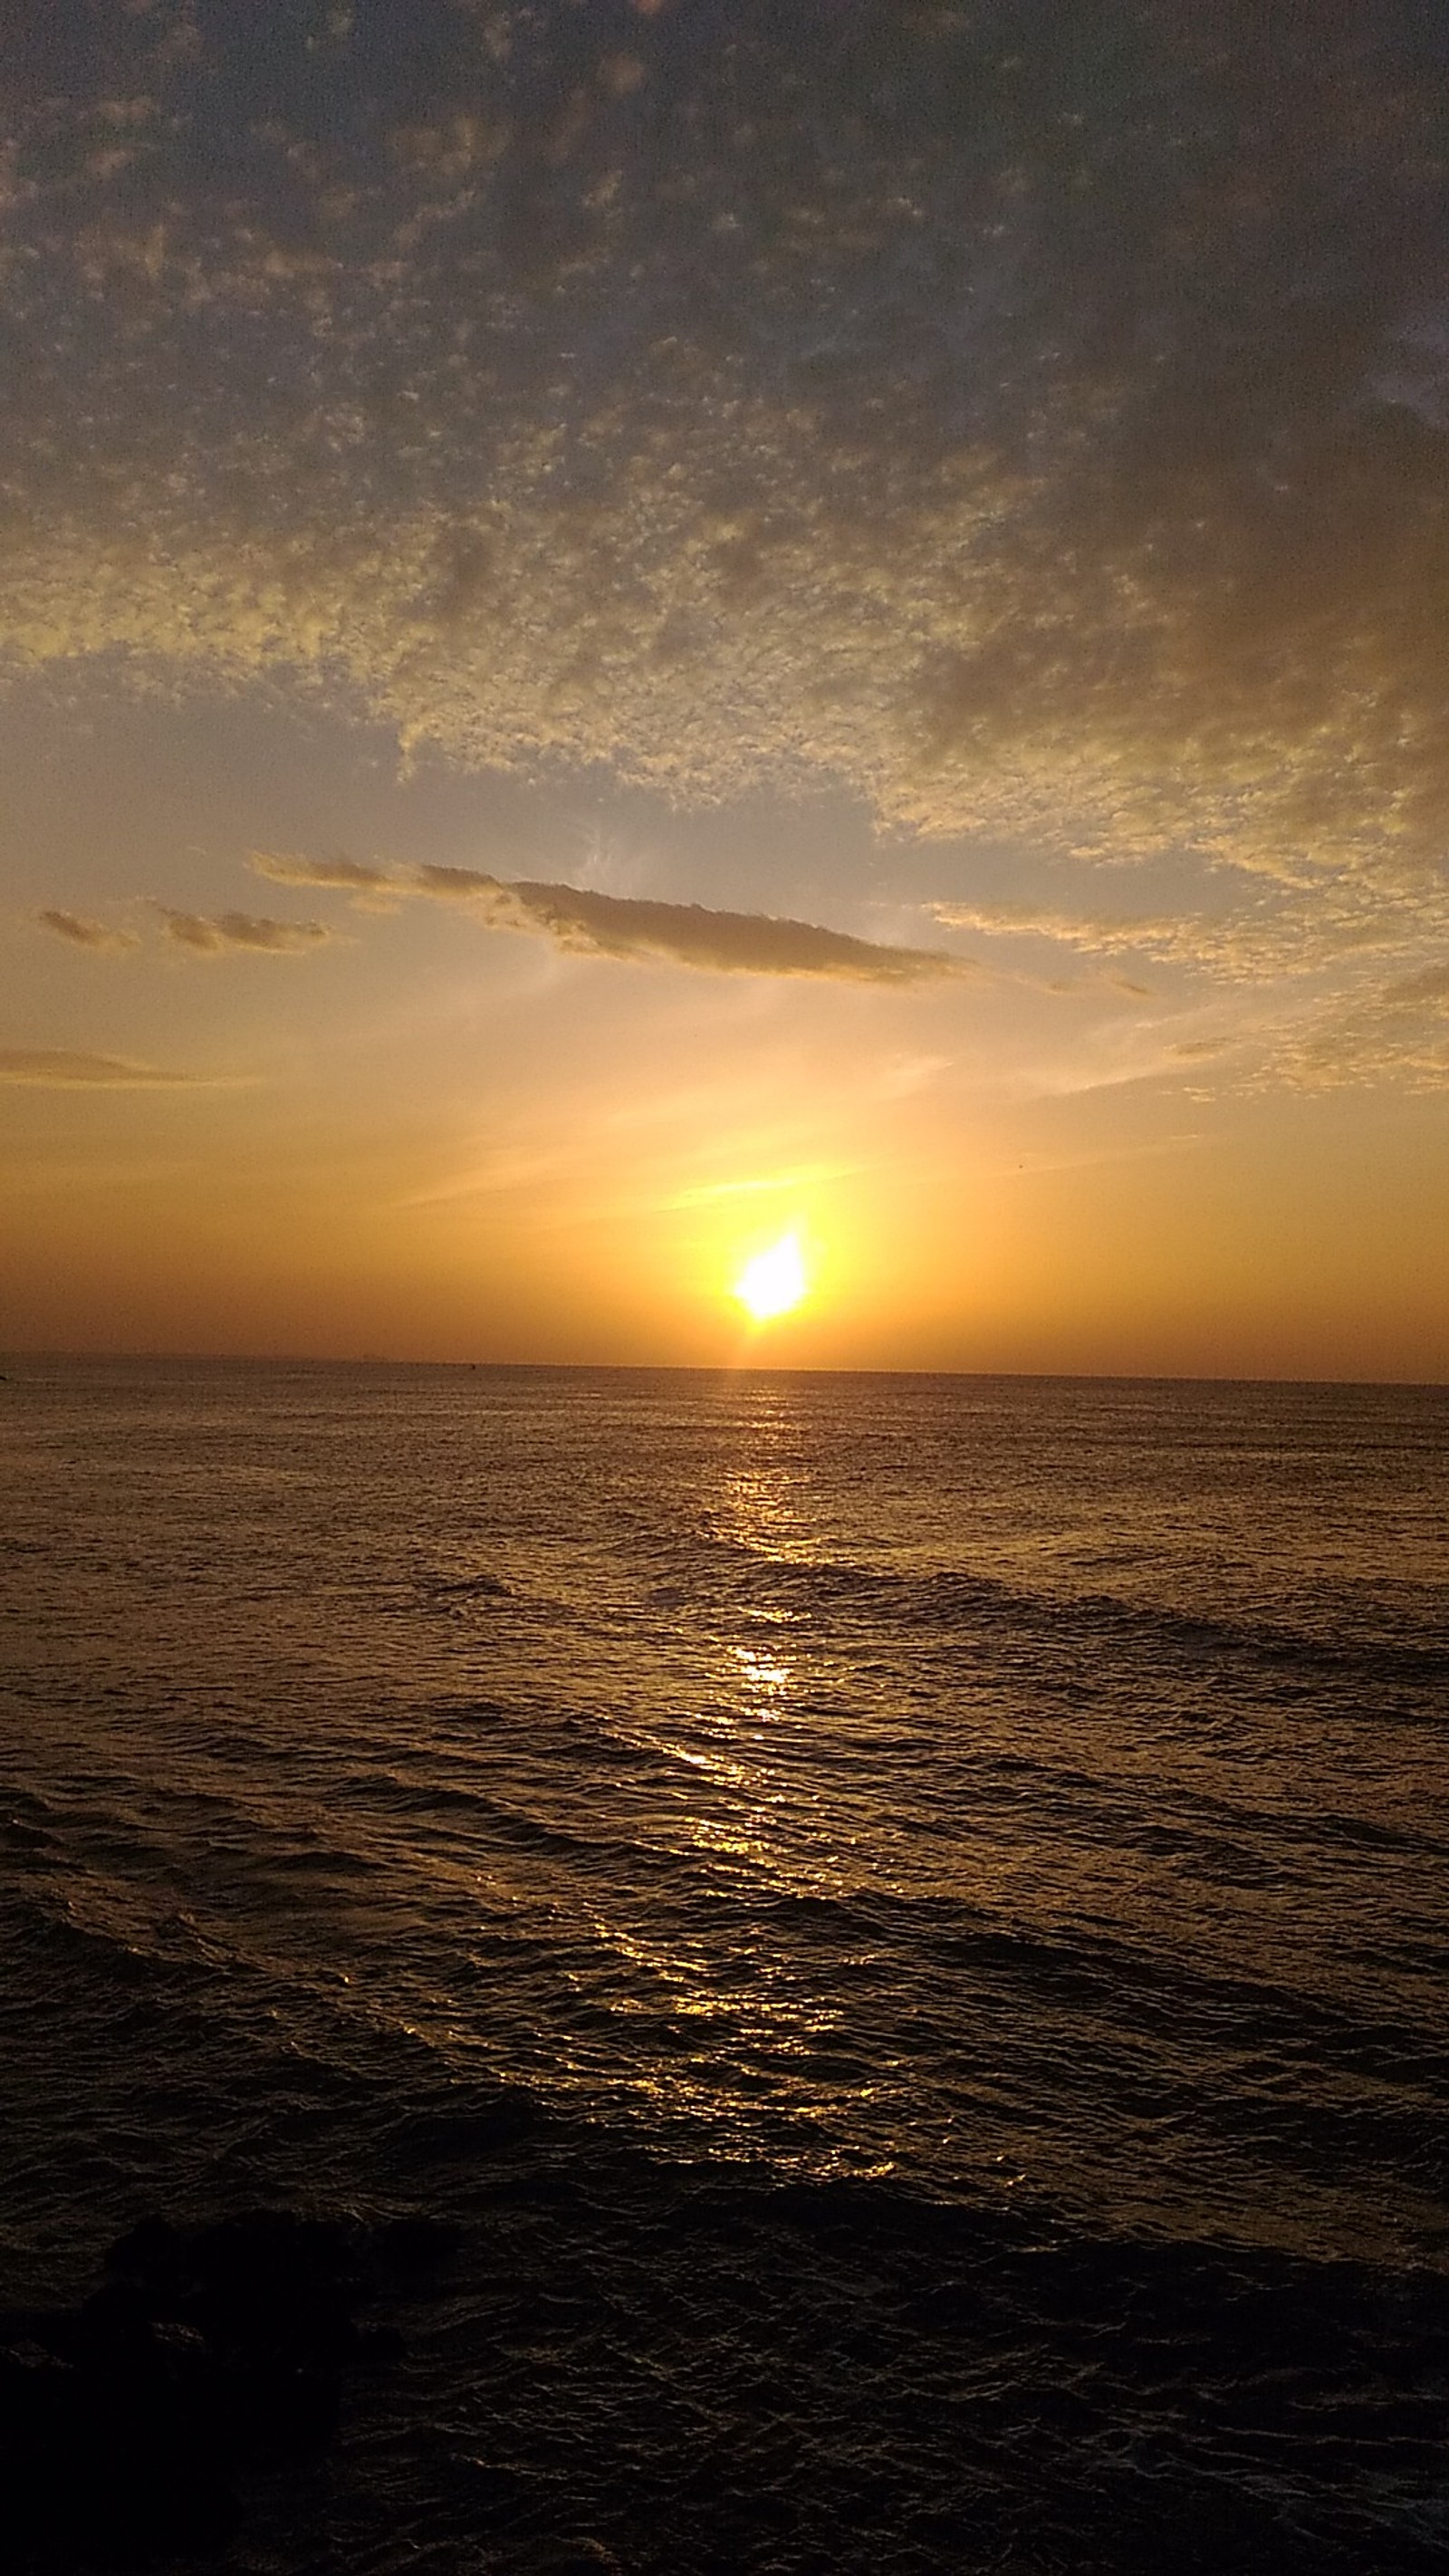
1396	1032
1327	933
1299	931
67	1069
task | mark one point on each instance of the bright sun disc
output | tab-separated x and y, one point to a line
774	1281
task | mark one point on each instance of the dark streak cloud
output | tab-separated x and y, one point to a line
1429	990
681	934
576	919
210	934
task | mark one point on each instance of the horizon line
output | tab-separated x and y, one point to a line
706	1368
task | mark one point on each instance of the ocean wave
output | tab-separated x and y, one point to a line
967	1604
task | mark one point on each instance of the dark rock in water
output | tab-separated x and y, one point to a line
407	2246
204	2350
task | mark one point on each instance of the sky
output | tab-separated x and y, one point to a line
634	628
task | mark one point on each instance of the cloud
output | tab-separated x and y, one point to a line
84	933
61	1069
348	875
682	934
577	920
210	934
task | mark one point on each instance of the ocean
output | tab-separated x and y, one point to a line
902	1921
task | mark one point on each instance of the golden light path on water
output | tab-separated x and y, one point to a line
742	2010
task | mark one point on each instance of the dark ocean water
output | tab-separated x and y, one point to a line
907	1919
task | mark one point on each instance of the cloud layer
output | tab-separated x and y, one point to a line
1037	421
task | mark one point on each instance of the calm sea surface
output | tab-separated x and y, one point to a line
907	1917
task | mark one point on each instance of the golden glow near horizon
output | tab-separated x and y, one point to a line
774	1281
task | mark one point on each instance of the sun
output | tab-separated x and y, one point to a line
774	1281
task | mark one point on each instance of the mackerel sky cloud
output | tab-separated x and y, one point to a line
563	454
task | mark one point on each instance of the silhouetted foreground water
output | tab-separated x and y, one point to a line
902	1922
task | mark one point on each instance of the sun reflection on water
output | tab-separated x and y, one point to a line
697	1992
762	1674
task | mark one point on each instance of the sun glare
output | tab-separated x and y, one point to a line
774	1281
